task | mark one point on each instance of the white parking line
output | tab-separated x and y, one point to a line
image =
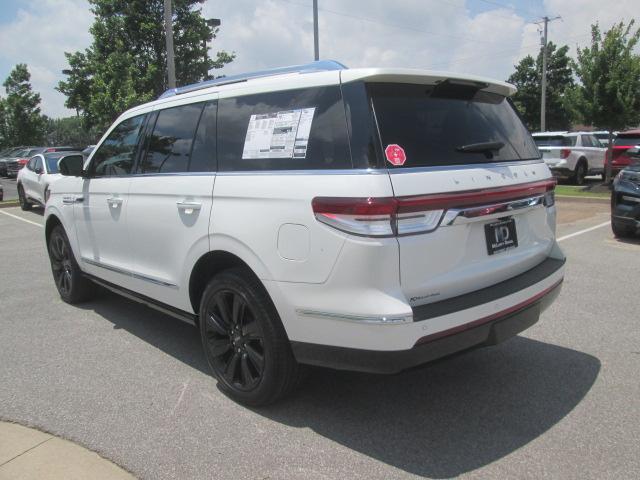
23	219
580	232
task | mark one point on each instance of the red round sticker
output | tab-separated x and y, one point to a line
395	154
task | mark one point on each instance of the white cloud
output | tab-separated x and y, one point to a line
437	34
40	34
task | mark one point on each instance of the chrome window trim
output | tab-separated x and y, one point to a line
469	166
131	273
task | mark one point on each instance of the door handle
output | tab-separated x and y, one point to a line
189	207
114	202
70	200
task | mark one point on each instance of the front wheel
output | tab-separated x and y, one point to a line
22	198
244	340
72	286
620	230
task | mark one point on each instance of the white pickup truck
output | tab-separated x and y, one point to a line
572	155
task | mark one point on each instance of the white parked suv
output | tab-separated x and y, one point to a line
365	219
572	155
35	178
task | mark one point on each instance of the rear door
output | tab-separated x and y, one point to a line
463	149
170	200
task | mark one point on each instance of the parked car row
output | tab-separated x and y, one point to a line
625	197
13	159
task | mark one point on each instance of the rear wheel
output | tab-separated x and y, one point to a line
72	286
580	173
621	230
244	340
22	198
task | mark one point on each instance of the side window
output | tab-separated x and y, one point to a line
170	142
586	141
203	154
116	154
595	141
288	130
38	164
31	165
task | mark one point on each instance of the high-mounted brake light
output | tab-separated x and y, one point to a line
393	216
565	152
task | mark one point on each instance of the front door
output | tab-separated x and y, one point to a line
100	210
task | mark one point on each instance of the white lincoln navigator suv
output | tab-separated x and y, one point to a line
365	219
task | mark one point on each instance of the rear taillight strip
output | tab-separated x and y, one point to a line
392	216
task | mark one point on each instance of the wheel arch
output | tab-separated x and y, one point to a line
52	222
207	266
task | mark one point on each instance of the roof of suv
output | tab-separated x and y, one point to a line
321	74
554	134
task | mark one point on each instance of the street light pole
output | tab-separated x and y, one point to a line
168	33
316	44
543	93
211	23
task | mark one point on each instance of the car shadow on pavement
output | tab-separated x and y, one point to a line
450	417
439	421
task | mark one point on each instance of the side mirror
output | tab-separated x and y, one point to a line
71	165
38	170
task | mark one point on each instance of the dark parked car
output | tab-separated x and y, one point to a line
625	198
6	155
1	193
21	159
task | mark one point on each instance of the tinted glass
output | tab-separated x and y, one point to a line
170	142
290	130
52	163
554	141
32	164
116	154
586	141
438	125
38	164
203	154
625	140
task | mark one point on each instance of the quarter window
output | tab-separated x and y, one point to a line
116	154
171	140
288	130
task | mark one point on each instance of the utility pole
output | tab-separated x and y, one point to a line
316	45
543	96
168	33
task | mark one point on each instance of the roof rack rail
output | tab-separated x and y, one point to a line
317	66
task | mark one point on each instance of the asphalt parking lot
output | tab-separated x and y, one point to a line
560	401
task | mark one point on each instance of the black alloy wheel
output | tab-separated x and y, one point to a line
61	264
72	286
235	340
244	340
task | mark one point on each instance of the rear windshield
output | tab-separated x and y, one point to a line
449	125
554	141
625	140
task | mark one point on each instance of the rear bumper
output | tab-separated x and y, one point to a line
483	332
561	172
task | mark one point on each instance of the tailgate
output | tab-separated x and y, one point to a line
459	256
471	187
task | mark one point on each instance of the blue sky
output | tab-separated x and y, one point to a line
484	37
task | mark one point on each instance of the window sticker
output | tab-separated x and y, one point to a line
395	154
282	134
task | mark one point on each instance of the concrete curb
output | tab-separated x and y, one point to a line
26	453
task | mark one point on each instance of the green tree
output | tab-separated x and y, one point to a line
69	131
528	78
609	72
23	123
126	63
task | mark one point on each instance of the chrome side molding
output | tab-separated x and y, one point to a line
130	273
376	320
458	216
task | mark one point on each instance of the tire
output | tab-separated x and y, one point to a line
620	230
580	173
72	286
244	341
22	198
